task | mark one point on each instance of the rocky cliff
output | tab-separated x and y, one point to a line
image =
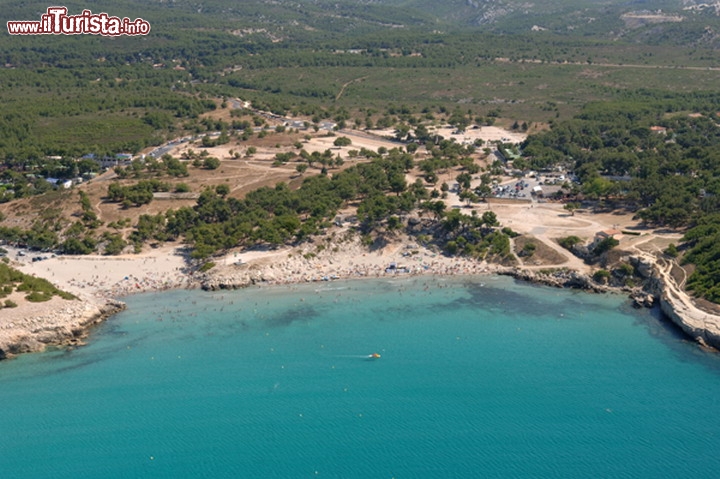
561	278
67	326
700	325
677	305
658	287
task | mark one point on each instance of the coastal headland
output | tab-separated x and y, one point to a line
99	282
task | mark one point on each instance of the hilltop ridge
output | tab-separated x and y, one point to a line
683	22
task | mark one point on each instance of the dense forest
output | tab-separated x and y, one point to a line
73	95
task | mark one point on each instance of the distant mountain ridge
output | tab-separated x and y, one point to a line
559	14
636	20
683	22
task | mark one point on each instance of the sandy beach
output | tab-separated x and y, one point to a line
99	281
96	281
94	277
339	260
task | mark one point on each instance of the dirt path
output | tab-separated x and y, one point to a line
572	261
266	170
665	268
546	223
347	84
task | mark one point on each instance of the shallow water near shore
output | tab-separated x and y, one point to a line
477	378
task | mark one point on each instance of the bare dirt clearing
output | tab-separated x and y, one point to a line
542	223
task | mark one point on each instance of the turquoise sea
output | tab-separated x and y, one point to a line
482	378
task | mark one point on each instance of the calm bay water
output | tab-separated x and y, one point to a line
487	379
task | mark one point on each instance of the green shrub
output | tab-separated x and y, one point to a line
10	304
114	244
206	267
568	242
529	249
672	250
182	188
342	141
65	295
605	245
38	297
601	275
508	231
222	190
38	289
626	269
451	247
211	163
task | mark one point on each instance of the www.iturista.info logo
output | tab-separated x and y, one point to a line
57	22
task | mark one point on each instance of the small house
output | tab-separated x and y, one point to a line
658	130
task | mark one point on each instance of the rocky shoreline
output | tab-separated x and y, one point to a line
66	327
561	278
701	326
67	323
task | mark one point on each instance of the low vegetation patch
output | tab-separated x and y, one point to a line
569	241
37	289
537	252
206	267
601	276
